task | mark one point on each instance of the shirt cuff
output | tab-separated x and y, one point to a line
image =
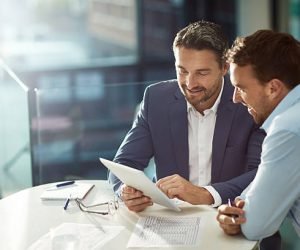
215	195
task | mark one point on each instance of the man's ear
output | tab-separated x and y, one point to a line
277	89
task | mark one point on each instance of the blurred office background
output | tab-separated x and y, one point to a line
73	72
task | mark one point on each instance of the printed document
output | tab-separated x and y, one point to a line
76	236
166	232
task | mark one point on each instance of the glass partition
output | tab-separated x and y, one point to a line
76	124
15	158
59	130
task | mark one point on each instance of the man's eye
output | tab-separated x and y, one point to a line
182	71
203	73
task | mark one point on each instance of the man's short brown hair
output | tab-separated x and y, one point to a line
271	54
203	35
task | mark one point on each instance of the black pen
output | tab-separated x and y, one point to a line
66	204
65	184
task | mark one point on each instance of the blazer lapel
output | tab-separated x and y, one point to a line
179	132
225	114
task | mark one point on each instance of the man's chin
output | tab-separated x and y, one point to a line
194	97
193	100
255	117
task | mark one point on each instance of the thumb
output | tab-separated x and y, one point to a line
240	203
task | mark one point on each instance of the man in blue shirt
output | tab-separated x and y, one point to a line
265	71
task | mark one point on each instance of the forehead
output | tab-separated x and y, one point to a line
185	52
192	56
241	75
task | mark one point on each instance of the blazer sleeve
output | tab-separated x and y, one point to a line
136	149
234	187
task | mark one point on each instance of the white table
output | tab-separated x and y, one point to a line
24	218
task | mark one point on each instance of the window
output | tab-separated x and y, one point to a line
47	34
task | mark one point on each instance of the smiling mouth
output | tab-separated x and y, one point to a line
193	91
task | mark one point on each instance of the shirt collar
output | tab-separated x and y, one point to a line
214	107
291	98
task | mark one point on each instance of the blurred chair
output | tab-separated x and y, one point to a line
290	239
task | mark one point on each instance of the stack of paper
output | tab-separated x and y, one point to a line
76	190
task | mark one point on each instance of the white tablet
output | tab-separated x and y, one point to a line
138	180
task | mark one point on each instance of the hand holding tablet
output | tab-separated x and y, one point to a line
134	199
138	180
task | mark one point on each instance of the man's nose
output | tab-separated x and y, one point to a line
191	81
237	96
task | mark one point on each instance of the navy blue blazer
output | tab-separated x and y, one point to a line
160	130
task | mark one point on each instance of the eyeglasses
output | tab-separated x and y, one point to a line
112	207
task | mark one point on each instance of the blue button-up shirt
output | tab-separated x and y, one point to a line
275	191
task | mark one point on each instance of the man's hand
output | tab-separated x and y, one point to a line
175	186
230	218
134	199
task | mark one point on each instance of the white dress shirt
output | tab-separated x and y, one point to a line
200	136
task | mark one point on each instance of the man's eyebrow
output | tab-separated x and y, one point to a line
205	69
180	67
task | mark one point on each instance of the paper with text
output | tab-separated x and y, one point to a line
76	236
166	232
